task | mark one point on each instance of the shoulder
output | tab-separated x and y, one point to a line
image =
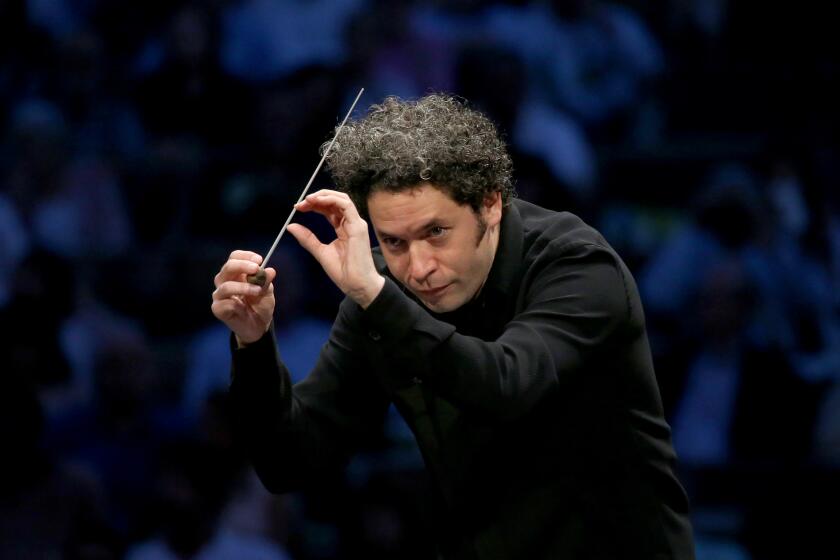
551	233
562	255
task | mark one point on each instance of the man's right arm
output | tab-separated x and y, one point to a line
295	436
291	435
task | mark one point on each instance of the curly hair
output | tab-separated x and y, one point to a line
436	139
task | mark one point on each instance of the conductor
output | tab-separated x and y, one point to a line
510	337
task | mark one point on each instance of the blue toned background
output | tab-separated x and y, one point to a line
141	142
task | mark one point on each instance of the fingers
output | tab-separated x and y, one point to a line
236	268
234	288
307	239
270	275
246	256
230	289
336	207
327	198
227	309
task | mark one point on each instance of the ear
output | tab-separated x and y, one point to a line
491	209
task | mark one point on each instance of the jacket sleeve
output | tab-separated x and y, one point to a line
294	435
573	304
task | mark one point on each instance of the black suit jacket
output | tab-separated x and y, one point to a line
535	406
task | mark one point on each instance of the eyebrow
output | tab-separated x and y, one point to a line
426	226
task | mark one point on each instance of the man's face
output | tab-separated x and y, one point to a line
438	249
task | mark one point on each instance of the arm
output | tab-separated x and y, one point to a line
574	307
575	299
297	435
291	436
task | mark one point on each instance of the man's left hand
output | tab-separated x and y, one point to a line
347	260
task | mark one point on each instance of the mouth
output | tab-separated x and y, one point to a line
433	293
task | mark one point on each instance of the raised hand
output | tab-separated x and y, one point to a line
347	260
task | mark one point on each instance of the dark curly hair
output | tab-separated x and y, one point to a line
436	139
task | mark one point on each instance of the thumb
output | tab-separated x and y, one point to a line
306	238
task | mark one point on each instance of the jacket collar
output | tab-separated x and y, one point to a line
504	273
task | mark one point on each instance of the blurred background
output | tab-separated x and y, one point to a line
142	141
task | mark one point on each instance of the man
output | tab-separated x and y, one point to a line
510	338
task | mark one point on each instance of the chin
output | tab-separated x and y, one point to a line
444	305
436	307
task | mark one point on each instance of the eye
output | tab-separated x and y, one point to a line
436	231
392	242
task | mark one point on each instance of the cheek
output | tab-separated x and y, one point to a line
396	264
454	264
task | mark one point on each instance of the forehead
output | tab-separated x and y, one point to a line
410	207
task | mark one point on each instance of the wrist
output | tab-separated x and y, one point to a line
242	342
366	296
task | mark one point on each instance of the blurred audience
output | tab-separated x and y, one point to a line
48	508
191	488
268	39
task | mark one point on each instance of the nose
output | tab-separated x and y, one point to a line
421	262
